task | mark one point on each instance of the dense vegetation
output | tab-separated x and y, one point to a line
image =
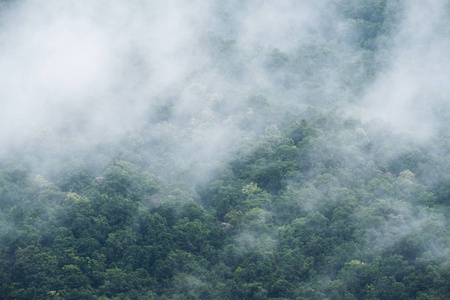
304	202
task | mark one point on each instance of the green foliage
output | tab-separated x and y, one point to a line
307	202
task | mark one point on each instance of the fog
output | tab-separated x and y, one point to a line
92	68
414	87
89	73
183	88
97	68
98	72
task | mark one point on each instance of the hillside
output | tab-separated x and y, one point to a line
225	150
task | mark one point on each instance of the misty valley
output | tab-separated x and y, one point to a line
225	149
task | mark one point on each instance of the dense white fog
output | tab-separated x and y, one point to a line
414	87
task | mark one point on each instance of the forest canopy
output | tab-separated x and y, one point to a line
224	150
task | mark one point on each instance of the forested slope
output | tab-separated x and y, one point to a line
302	156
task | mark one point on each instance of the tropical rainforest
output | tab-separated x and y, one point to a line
225	149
